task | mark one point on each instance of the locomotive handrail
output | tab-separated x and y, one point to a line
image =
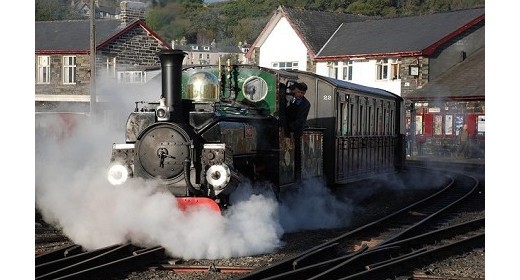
234	118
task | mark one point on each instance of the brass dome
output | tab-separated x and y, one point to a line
202	86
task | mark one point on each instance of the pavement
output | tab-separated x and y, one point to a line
429	158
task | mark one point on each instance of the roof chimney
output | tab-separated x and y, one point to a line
131	10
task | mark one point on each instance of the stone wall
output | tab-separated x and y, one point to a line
133	48
56	85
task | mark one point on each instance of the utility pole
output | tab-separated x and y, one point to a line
92	59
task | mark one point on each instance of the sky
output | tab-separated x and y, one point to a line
18	141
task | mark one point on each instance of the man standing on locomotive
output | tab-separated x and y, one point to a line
297	112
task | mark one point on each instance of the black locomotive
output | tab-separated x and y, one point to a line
216	126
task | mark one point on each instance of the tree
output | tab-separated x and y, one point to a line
50	10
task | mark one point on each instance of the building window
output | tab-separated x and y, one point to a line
388	69
395	66
206	48
111	66
44	69
333	69
69	69
195	48
382	69
131	77
347	70
292	65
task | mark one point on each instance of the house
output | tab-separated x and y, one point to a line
292	37
125	50
401	54
395	54
83	9
212	54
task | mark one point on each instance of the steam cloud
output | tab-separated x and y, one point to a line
72	193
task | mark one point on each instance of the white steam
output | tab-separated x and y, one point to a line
73	194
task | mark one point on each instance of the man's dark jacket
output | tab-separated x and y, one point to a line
297	112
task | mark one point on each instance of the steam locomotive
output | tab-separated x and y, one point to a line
216	126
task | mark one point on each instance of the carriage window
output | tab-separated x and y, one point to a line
360	121
344	119
351	120
369	121
385	120
392	122
378	122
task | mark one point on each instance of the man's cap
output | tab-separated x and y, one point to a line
301	86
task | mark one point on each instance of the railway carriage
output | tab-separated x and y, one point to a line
215	126
363	127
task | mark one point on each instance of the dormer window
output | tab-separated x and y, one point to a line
195	48
206	48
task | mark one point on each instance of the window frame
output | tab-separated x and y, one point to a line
69	70
111	66
334	70
382	67
395	69
130	77
285	65
388	69
348	68
44	69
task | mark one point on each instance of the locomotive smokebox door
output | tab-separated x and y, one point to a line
162	151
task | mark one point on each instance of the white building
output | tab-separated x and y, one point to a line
395	54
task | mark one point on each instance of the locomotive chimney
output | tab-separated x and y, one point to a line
171	68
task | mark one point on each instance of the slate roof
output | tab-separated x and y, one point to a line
414	35
316	27
74	35
464	81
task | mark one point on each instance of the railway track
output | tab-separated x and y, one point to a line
72	262
380	238
388	246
